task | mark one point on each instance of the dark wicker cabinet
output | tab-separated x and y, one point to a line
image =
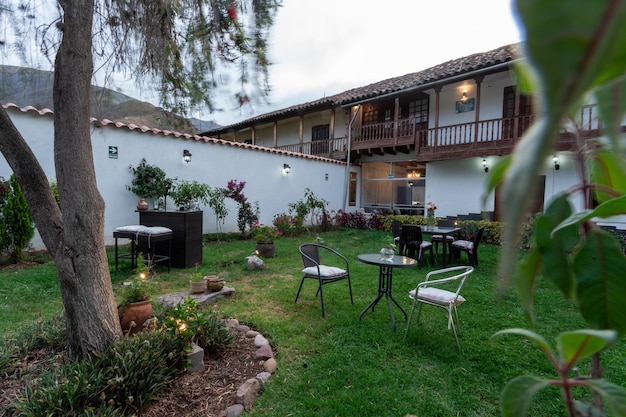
187	229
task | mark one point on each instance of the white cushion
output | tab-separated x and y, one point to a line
134	228
325	271
437	296
155	230
440	237
464	244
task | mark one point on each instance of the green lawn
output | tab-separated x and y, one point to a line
340	366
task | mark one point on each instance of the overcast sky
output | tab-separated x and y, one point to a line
323	47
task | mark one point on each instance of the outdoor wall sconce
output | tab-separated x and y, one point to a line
464	96
410	183
186	156
485	167
286	169
555	159
326	176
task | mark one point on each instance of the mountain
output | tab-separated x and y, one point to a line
31	87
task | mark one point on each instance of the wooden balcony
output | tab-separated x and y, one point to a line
482	138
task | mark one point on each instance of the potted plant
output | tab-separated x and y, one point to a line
186	193
149	181
136	305
264	236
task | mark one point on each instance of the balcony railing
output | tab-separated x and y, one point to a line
484	137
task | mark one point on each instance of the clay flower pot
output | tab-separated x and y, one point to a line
214	283
197	287
135	315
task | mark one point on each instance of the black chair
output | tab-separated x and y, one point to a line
413	243
396	230
436	239
469	247
317	261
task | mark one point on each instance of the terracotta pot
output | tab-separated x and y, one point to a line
266	250
137	312
142	204
214	283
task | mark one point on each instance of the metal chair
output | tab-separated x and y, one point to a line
413	243
436	239
317	259
469	247
431	292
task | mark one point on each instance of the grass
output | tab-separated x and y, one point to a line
340	366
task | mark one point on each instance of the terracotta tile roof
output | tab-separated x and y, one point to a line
441	72
186	136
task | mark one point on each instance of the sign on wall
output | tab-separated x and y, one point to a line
112	152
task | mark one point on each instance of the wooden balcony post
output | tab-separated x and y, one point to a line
437	102
301	139
479	82
253	133
396	112
275	133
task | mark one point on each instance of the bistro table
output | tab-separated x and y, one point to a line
444	232
385	277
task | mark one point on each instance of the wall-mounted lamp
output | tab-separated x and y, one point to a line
186	156
326	176
286	169
464	96
555	159
410	183
485	167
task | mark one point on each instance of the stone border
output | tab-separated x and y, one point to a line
252	388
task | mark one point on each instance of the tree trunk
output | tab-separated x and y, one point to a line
75	237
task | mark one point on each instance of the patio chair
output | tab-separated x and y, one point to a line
396	230
469	247
434	292
317	261
436	239
413	243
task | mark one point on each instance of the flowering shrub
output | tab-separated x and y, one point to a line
431	207
247	214
264	234
288	225
358	220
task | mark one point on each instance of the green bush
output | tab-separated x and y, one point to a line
122	380
190	322
17	220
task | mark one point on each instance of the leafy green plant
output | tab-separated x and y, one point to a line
264	234
574	54
185	193
149	181
308	205
17	221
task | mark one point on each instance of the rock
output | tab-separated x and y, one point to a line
242	328
234	411
264	352
247	393
263	377
259	340
251	333
232	323
270	365
254	262
196	357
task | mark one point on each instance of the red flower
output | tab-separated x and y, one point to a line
232	11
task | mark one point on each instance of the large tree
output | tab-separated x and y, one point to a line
181	44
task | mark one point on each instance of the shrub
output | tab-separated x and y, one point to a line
190	322
125	378
17	220
288	225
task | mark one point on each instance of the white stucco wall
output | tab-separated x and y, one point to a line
213	164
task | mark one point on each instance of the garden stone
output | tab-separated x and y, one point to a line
270	365
247	393
254	262
234	411
263	377
259	341
196	357
242	328
251	333
264	352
